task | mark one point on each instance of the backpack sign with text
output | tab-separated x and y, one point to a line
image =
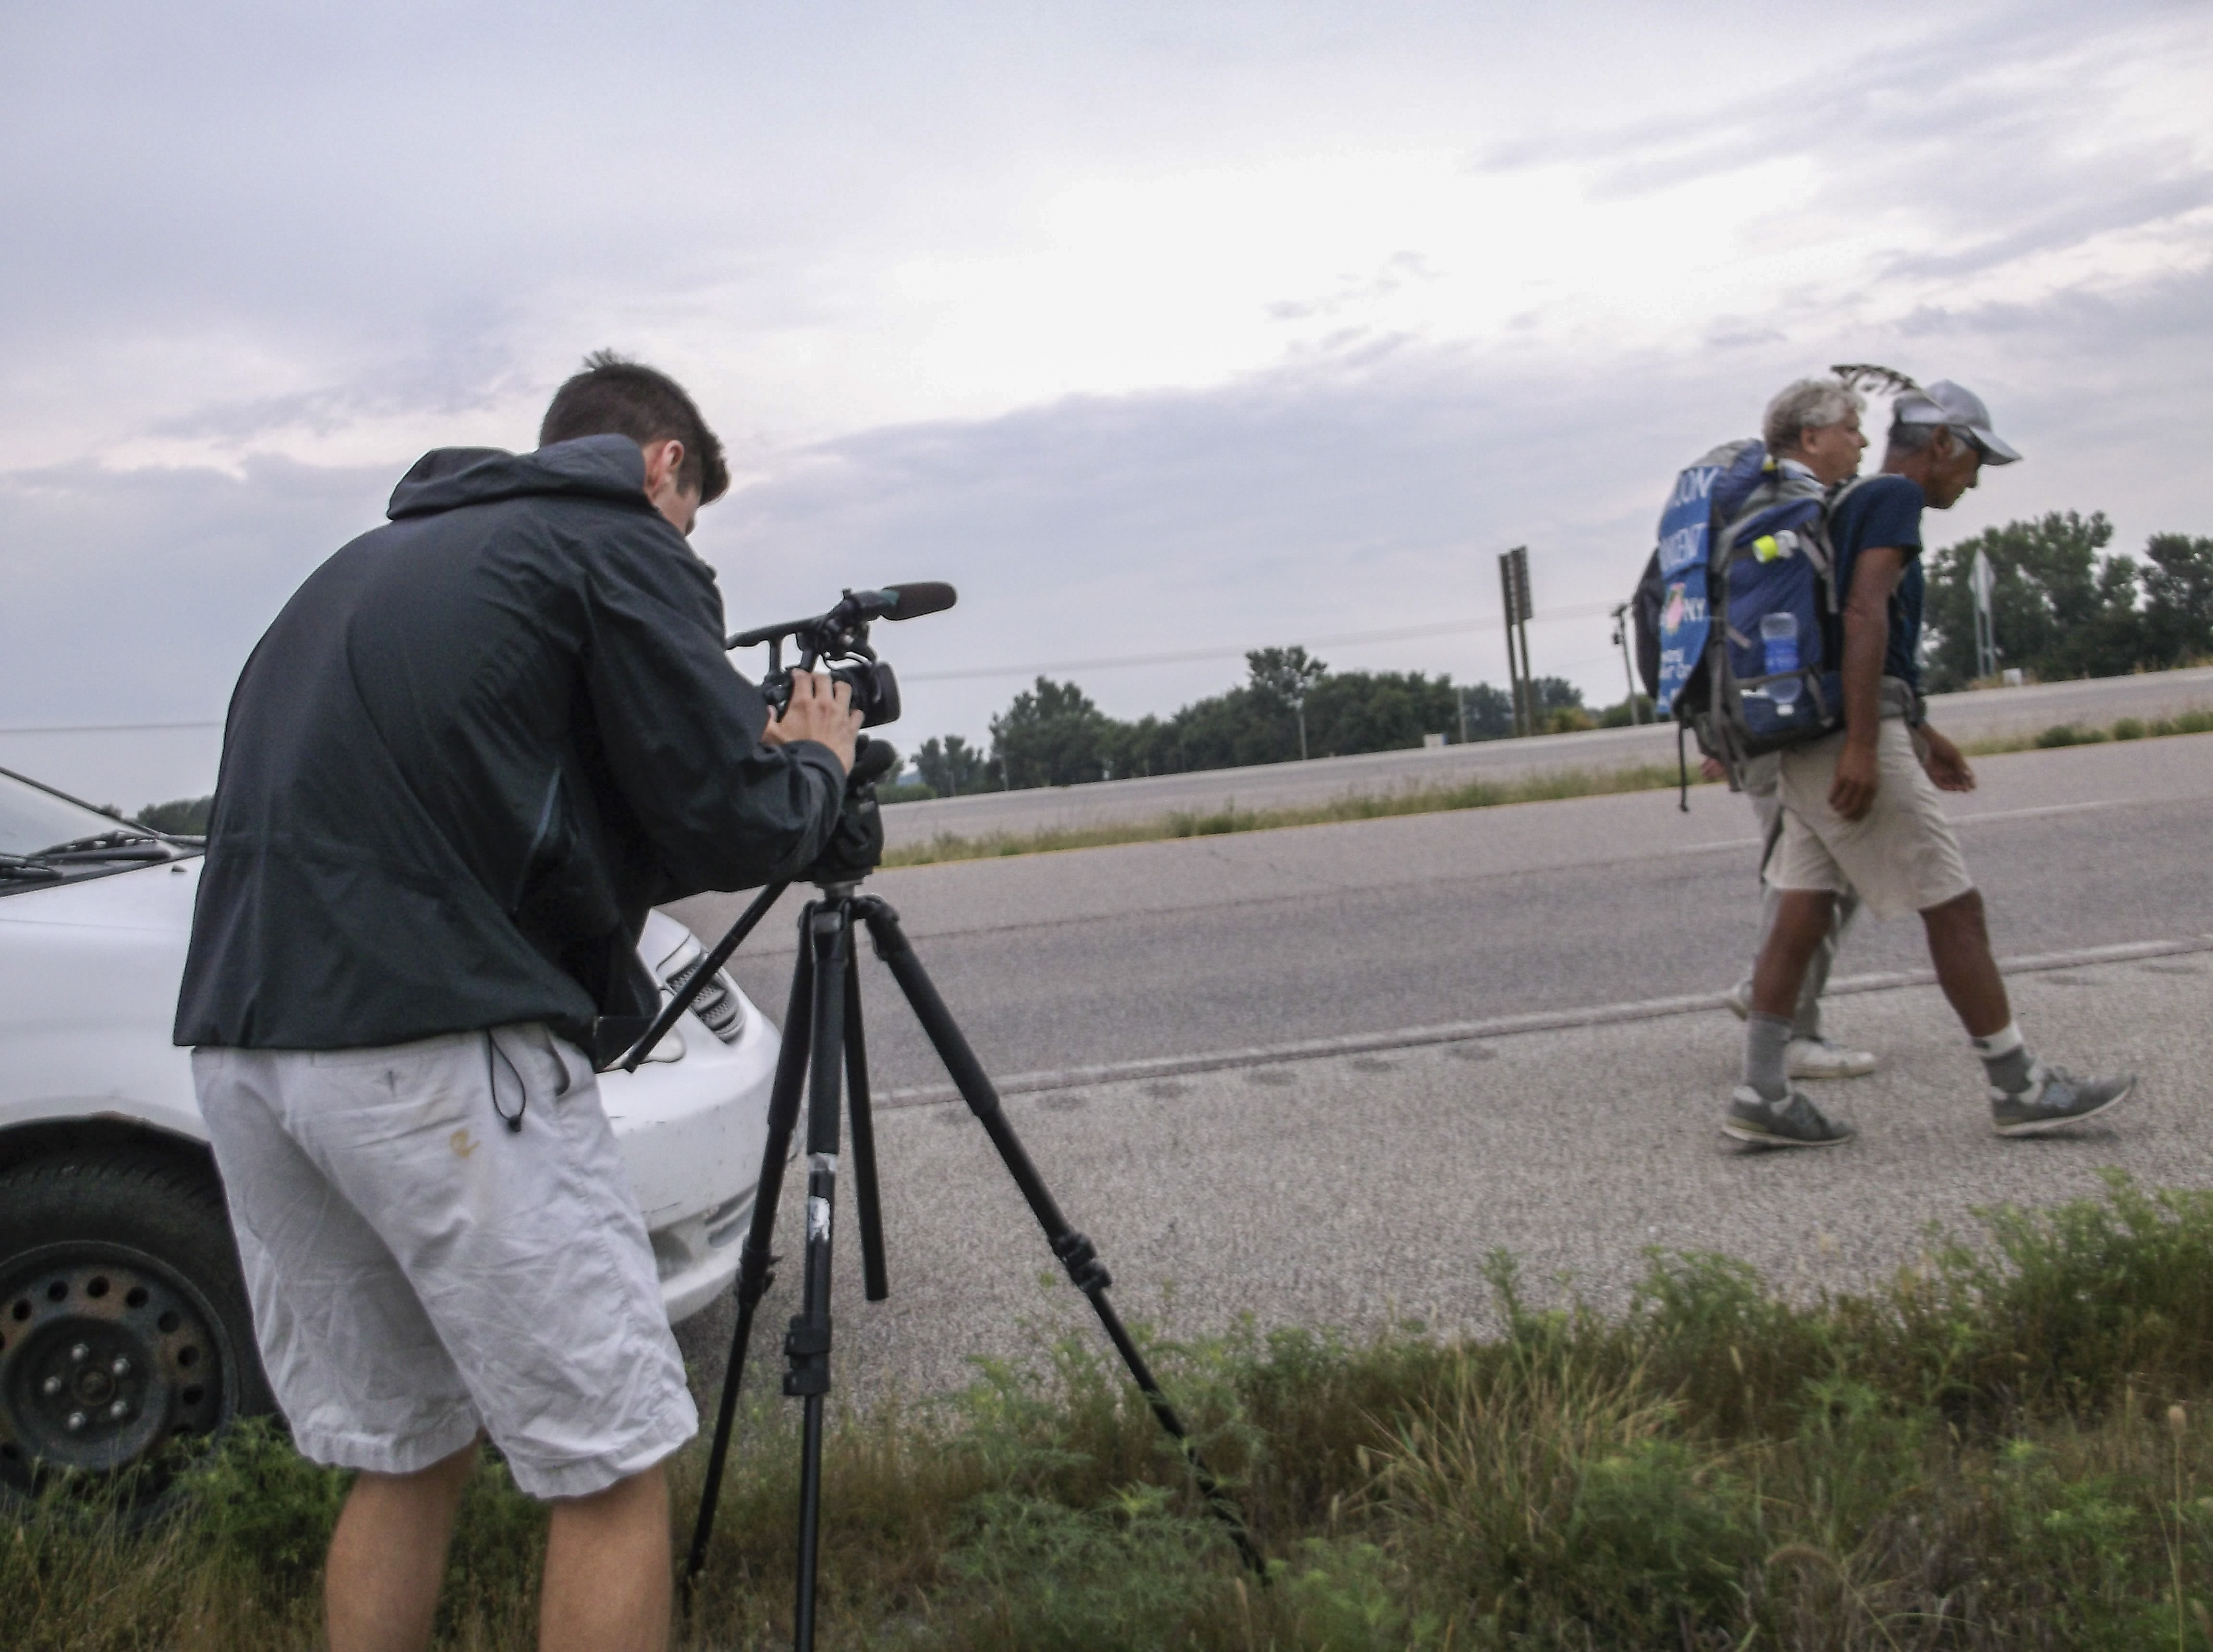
1681	559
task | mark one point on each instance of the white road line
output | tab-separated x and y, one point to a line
1547	1021
2045	808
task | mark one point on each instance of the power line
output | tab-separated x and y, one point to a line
1404	633
1115	662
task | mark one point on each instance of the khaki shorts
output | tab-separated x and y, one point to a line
1901	857
418	1273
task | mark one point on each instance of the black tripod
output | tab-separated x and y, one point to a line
822	1032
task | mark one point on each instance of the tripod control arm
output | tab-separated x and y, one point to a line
1080	1258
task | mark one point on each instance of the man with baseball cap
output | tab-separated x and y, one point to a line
1861	810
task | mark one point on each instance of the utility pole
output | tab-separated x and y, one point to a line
1513	581
1628	665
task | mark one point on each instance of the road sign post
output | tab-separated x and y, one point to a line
1982	584
1514	582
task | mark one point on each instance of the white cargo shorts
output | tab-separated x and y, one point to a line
419	1272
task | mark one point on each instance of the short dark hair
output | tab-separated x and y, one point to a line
615	397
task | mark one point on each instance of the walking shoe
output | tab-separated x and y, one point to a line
1792	1122
2055	1097
1819	1058
1740	1000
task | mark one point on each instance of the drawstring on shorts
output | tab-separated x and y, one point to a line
512	1120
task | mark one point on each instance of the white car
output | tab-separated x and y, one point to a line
123	1318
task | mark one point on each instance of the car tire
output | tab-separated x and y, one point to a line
124	1328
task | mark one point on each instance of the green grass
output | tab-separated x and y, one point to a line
2006	1446
1355	806
1431	800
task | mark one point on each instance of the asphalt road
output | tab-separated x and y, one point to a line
1986	714
1355	1187
1195	945
1357	1190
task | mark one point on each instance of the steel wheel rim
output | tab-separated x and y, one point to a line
70	1315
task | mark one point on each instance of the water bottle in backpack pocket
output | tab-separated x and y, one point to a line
1780	686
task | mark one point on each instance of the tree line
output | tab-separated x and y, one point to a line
1290	705
2062	606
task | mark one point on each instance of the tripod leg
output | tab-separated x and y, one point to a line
754	1261
876	1285
1077	1254
807	1348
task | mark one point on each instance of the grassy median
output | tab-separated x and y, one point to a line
1431	800
2010	1444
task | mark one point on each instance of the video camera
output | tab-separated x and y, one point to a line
841	637
838	641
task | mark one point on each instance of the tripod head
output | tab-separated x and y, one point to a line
841	637
856	842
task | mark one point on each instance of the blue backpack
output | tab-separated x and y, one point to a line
1745	539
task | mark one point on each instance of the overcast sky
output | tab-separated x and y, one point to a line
1156	329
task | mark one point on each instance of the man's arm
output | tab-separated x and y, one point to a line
683	733
1875	573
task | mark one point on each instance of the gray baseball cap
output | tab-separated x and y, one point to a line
1960	408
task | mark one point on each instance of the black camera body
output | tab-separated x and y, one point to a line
874	685
837	643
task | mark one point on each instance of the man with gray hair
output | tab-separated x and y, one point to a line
1814	426
1860	810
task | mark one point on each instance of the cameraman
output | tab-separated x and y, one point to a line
477	745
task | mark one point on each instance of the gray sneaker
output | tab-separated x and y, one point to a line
2055	1098
1792	1122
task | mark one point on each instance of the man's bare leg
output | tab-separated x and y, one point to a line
388	1556
607	1569
1960	947
1803	919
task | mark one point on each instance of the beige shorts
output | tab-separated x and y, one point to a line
419	1272
1902	856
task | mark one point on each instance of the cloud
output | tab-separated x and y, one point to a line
135	595
1346	493
1152	329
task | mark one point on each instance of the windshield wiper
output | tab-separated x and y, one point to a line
106	846
21	866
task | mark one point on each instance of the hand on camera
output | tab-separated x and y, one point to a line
821	710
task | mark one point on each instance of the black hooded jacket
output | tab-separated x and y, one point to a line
476	747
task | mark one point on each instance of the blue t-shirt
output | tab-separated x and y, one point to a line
1886	510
